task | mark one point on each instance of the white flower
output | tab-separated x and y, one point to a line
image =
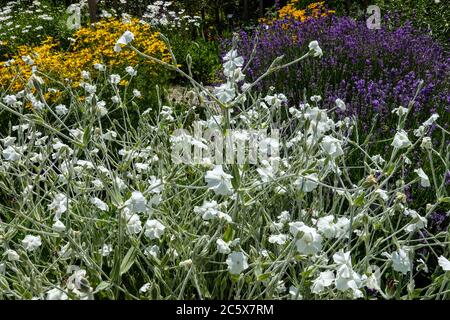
210	210
145	288
330	229
278	238
137	93
137	203
130	70
99	67
426	143
56	294
10	154
31	243
340	104
315	49
58	226
85	74
294	293
134	225
10	100
223	247
382	194
233	60
309	242
152	251
12	255
401	140
99	204
219	181
332	146
431	120
225	92
61	110
114	79
60	204
125	39
78	282
325	279
106	250
400	111
307	183
237	262
401	261
424	180
444	263
154	229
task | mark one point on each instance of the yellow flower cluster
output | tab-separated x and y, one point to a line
292	11
91	45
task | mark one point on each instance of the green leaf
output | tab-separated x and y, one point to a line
128	260
359	202
228	235
444	200
264	276
102	286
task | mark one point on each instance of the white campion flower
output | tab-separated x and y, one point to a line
340	104
56	294
332	146
131	71
401	261
152	251
400	111
225	93
137	203
61	110
444	263
401	140
58	226
60	205
114	79
12	255
10	99
382	194
99	204
78	282
309	241
307	183
278	238
31	243
233	60
418	222
325	279
223	247
424	180
99	67
106	250
8	141
237	262
210	210
134	224
137	93
315	49
10	154
125	39
432	119
219	181
154	229
346	277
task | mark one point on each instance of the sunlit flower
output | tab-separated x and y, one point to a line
237	262
125	39
31	243
219	181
